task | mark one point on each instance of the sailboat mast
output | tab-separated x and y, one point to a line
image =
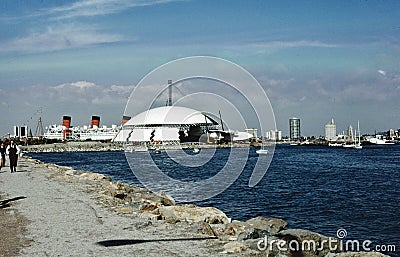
169	102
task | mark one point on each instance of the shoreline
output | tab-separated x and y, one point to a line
137	218
95	146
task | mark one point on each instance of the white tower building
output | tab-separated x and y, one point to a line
330	131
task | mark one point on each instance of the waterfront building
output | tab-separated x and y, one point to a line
330	131
294	129
253	132
170	125
350	134
20	132
275	135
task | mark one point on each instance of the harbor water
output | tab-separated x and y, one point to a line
322	189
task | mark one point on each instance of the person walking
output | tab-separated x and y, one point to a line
2	155
13	151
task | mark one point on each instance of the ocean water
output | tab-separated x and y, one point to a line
322	189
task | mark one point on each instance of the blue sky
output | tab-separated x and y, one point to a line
315	59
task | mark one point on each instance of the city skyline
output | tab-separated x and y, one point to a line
315	60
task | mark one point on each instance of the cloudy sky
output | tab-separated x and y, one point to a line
315	59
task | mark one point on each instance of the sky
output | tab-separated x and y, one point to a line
316	60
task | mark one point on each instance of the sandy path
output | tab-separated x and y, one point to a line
65	221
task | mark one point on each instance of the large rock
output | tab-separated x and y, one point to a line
306	243
202	228
234	228
93	176
124	209
192	213
234	247
116	190
269	225
252	229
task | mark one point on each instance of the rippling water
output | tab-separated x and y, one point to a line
316	188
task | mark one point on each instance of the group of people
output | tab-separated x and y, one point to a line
12	150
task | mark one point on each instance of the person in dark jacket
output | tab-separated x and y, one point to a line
13	152
2	155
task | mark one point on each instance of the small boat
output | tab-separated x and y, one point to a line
157	150
262	150
335	144
196	150
351	145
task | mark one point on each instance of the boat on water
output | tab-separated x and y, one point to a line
262	150
358	143
348	145
379	140
81	133
196	150
351	143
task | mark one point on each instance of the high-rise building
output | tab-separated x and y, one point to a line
330	131
20	131
275	135
294	128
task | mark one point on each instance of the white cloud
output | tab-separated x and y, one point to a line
291	44
79	85
60	37
124	90
382	72
89	93
83	92
87	8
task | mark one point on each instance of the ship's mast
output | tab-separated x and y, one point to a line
169	102
39	126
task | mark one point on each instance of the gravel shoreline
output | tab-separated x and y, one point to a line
59	211
13	228
62	217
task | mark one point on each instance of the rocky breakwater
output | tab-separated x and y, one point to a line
157	213
85	146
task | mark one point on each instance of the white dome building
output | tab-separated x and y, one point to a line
166	125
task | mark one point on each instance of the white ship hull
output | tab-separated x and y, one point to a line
377	141
78	134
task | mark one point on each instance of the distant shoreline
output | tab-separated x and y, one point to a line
93	146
